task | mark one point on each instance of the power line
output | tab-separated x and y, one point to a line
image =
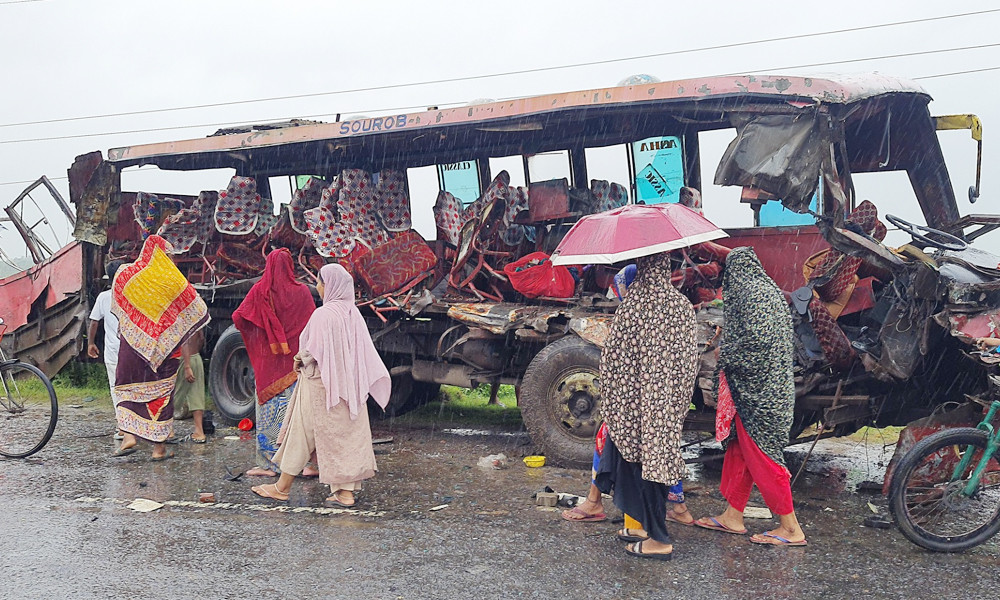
27	181
509	73
871	58
20	2
958	73
206	125
789	67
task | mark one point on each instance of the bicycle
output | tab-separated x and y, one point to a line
945	492
28	406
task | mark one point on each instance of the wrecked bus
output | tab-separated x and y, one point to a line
427	208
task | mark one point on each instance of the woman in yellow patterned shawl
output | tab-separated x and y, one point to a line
157	310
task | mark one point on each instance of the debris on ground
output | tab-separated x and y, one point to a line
757	512
144	505
493	461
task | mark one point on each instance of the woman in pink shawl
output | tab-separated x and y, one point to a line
338	370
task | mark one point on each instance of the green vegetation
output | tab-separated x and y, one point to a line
459	407
79	380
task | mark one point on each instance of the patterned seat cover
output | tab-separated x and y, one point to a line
306	198
448	216
239	207
266	219
392	203
356	207
330	237
513	233
609	195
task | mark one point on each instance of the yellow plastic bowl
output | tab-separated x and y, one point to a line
534	461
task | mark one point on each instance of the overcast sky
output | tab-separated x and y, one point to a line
80	58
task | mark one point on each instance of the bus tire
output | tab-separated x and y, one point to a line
406	395
560	397
230	378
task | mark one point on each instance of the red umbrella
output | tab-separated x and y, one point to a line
633	231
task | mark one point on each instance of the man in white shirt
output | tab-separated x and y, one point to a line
102	312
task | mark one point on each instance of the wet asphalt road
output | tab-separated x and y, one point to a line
68	533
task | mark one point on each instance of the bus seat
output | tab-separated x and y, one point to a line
833	277
266	219
151	211
181	229
392	203
449	217
513	234
609	195
306	198
329	236
239	207
356	207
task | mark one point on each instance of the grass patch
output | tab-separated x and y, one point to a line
885	435
459	407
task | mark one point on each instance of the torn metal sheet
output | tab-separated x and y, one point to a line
594	329
784	155
98	200
500	318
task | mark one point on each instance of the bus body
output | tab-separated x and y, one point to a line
796	147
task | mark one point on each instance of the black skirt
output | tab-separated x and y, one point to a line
644	501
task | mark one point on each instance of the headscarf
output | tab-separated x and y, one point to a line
273	340
756	351
156	306
622	281
338	339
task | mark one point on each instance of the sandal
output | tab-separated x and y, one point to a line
124	451
335	501
269	490
162	458
716	525
625	534
770	539
636	550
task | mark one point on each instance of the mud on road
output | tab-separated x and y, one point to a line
69	532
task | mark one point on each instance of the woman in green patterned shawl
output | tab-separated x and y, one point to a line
755	360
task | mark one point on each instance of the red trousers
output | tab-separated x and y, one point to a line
744	466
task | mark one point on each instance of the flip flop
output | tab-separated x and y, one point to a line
269	490
166	456
715	525
584	517
765	539
625	536
123	452
636	550
195	440
334	503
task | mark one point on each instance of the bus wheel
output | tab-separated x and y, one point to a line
560	401
230	378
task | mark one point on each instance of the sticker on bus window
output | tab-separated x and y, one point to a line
659	168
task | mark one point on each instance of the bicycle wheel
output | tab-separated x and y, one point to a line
927	502
28	410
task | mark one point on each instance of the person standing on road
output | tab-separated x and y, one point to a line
755	363
647	370
338	370
102	312
190	391
592	508
271	319
157	310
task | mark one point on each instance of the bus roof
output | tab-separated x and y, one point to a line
838	89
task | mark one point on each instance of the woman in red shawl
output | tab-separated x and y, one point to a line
272	342
338	369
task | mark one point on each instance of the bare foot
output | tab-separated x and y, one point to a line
258	472
310	472
587	510
680	514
